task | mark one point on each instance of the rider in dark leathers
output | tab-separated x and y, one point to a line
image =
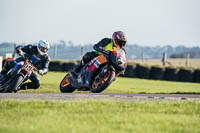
118	40
40	60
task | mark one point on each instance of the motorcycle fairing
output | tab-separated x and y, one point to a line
84	79
17	66
24	71
92	66
28	67
11	73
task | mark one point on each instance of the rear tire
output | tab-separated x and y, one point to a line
109	77
17	81
65	85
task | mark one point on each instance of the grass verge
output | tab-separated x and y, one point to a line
99	116
51	81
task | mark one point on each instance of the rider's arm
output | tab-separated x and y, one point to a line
45	69
27	49
100	45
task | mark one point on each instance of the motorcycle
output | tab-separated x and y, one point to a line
96	75
17	75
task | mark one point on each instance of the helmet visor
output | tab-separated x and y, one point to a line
43	49
121	43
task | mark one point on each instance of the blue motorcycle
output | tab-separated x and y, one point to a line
17	75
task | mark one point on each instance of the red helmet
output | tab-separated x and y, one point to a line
119	39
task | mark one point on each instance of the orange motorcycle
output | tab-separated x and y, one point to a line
96	75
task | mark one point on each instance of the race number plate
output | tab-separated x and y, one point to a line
28	67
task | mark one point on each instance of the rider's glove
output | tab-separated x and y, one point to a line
41	72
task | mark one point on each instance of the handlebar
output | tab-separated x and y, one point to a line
25	57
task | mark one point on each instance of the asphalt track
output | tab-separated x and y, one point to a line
99	96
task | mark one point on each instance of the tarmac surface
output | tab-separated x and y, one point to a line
98	96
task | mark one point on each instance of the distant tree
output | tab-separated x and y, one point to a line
184	54
177	55
70	43
62	43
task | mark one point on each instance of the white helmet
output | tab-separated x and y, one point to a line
43	47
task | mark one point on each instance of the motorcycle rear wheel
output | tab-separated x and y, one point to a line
99	85
65	85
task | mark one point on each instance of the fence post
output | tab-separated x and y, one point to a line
187	60
142	56
55	51
14	52
82	51
164	58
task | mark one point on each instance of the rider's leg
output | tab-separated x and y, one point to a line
78	67
35	84
86	58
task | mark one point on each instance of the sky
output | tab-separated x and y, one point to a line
145	22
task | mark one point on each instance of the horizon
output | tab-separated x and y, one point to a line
128	44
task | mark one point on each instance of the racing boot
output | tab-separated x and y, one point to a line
76	69
17	89
22	87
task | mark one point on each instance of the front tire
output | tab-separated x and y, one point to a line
99	85
16	82
1	88
65	85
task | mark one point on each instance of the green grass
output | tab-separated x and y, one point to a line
99	117
104	116
51	81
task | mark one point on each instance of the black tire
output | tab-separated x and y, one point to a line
103	86
1	85
1	89
66	87
17	81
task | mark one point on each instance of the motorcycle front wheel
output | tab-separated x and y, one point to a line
100	84
16	82
65	85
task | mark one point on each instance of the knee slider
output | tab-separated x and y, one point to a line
36	85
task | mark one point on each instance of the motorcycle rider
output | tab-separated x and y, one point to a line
40	60
104	46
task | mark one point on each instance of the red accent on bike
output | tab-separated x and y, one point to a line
91	67
124	59
114	52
